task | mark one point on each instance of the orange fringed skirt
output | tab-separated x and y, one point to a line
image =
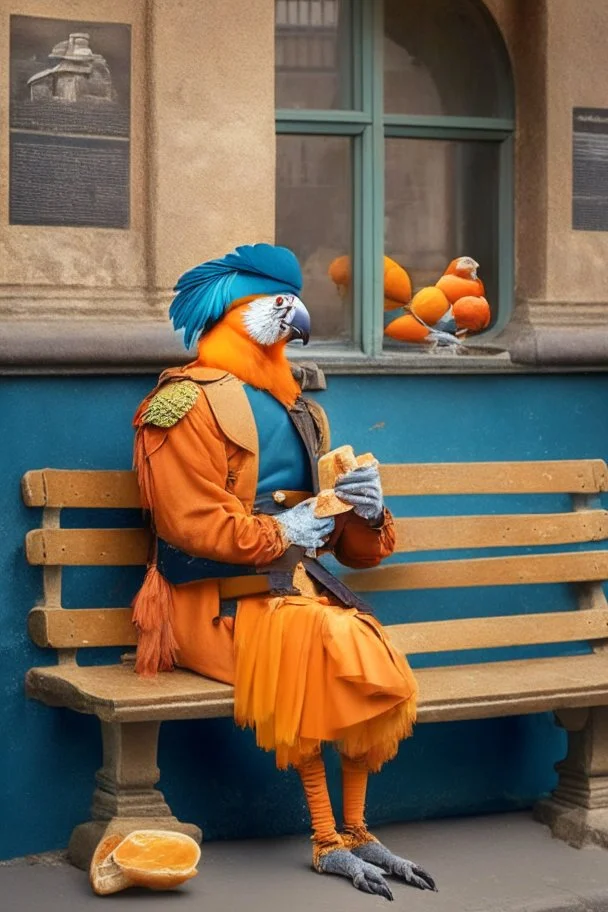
308	672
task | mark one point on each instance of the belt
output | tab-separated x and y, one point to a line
237	581
178	567
276	501
239	586
231	590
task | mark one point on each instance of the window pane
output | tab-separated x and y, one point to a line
313	48
314	219
441	203
443	58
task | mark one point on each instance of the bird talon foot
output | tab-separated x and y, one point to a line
364	875
373	852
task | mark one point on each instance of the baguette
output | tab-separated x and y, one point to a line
331	466
329	504
366	459
336	462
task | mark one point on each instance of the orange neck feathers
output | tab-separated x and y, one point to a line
229	347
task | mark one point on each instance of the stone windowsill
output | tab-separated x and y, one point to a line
87	346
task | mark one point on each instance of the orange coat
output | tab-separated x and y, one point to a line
199	478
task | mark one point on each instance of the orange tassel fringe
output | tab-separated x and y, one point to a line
152	607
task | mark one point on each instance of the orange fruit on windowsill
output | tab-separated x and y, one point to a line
455	287
472	313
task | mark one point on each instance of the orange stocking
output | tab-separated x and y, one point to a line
360	842
325	835
354	787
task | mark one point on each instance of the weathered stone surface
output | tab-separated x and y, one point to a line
503	863
126	798
577	811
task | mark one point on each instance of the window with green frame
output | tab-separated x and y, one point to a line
394	136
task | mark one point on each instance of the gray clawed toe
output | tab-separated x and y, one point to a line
376	854
365	876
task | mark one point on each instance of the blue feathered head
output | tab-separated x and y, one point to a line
205	292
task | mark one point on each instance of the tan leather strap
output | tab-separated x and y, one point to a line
230	406
239	586
289	499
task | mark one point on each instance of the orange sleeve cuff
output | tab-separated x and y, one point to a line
360	545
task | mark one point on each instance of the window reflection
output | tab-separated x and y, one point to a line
314	219
313	54
439	59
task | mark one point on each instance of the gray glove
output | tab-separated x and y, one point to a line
303	528
362	489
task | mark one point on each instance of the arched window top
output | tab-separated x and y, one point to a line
440	185
444	57
440	57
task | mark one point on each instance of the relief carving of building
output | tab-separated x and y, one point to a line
79	74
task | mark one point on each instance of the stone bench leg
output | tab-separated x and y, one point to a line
577	811
126	798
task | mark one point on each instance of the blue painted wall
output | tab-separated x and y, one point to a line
211	773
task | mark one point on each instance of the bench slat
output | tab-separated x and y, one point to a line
567	476
75	628
116	694
435	533
129	547
66	488
579	567
496	689
87	547
493	632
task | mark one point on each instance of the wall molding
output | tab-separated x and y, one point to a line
543	336
52	304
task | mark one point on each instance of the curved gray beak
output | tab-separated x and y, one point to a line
299	324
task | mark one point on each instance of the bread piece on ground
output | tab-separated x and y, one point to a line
157	859
104	874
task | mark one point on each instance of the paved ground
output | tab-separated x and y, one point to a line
505	863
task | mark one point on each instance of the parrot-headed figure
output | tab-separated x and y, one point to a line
226	453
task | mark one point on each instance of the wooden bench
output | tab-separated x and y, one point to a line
573	686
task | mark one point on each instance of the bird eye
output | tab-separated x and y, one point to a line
278	301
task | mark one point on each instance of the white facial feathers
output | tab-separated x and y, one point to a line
269	319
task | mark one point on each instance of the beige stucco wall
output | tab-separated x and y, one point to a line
523	27
213	157
202	161
55	258
557	48
203	158
576	77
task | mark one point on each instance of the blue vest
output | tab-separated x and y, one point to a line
284	462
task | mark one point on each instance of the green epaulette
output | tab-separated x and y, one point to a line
171	403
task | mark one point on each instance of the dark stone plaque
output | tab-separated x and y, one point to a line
69	123
68	180
590	169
